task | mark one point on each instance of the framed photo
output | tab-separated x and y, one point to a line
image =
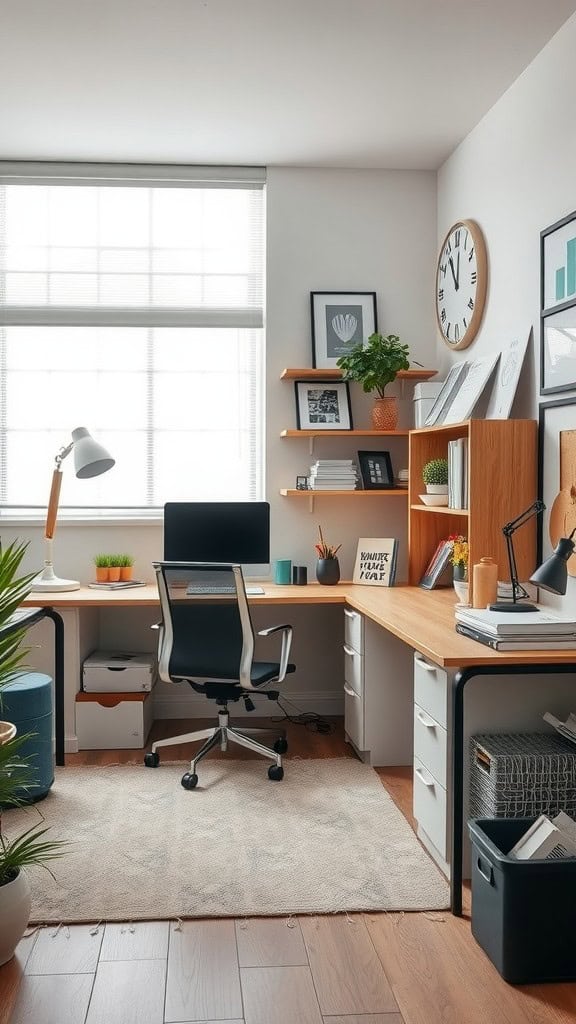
557	476
558	264
376	471
376	561
301	483
323	405
558	351
340	321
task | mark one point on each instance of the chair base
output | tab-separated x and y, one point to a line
221	735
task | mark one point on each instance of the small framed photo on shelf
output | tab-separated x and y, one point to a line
376	471
301	483
340	321
323	405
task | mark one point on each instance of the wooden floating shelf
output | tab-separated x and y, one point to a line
316	374
441	510
386	492
344	433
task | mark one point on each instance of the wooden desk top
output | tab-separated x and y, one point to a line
423	619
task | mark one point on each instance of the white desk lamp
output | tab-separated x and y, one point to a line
90	459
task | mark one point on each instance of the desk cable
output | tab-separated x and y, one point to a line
312	721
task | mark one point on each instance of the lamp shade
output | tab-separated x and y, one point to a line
552	575
90	458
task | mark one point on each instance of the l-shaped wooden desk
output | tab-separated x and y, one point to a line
424	620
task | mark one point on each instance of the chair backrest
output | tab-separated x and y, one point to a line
206	630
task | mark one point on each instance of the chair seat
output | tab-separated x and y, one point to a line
263	671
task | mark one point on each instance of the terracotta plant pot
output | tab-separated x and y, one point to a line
385	414
102	574
114	574
126	572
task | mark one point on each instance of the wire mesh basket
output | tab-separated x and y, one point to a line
522	775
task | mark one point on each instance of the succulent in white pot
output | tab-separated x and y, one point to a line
435	476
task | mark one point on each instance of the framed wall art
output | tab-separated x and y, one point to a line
340	321
557	476
323	405
558	264
558	351
376	471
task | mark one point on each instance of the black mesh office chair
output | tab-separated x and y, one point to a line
206	639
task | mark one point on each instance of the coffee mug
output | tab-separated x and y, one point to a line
299	575
282	570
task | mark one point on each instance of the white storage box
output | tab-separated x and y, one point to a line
118	672
425	395
105	720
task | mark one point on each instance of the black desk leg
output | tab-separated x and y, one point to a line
58	682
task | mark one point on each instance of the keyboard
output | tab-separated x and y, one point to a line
193	589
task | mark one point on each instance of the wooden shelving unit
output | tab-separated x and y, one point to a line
502	481
308	373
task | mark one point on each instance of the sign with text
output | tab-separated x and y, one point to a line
376	561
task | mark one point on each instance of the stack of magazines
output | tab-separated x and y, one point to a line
333	475
517	631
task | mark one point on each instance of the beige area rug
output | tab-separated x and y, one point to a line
327	838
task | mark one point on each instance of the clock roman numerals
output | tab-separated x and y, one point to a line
473	277
471	255
457	238
440	294
470	303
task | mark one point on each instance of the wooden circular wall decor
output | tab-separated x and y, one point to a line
461	279
563	511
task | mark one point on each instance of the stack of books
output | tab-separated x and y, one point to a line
333	475
517	631
458	473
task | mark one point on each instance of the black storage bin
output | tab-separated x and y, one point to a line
523	912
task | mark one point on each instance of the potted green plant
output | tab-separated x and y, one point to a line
102	564
126	567
435	477
114	566
16	773
375	366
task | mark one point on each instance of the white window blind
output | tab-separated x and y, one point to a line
131	302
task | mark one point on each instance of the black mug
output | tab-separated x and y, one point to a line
299	575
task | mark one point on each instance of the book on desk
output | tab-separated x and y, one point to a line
523	631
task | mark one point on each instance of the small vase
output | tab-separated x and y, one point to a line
328	571
460	583
385	414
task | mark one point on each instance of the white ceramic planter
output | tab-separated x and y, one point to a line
436	488
15	902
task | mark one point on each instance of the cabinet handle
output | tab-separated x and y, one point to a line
351	615
349	651
424	777
428	722
424	664
351	693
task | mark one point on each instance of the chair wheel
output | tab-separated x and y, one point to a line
152	760
189	781
281	746
275	773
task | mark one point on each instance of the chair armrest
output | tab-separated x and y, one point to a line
286	644
156	625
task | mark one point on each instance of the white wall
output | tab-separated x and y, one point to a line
514	174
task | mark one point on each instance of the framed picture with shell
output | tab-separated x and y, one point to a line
557	475
340	321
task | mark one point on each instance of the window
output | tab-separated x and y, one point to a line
131	302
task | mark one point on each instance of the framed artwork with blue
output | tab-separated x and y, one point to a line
558	306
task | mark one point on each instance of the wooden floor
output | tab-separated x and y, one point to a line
341	969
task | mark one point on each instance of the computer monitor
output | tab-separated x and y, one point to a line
219	531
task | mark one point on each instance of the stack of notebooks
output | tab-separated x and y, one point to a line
517	631
333	475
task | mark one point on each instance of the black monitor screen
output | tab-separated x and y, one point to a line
217	531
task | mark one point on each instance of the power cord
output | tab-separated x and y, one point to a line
312	721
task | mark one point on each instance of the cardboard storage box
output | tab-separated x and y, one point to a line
105	720
425	395
118	672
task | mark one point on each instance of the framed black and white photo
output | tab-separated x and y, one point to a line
323	405
557	476
376	471
301	483
558	264
558	351
340	321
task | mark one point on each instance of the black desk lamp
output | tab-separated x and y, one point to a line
553	573
517	591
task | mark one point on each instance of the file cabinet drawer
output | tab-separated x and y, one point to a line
354	669
430	806
431	689
354	716
354	630
430	744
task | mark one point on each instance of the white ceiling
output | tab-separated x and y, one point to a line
327	83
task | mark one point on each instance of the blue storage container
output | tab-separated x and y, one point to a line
27	703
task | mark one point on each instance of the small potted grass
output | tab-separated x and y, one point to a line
126	567
114	566
102	564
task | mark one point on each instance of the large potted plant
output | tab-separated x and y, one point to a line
16	772
375	366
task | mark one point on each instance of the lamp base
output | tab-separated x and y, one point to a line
48	583
513	606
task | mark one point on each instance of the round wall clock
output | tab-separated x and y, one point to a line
461	277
